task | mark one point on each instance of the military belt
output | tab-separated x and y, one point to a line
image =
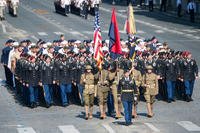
127	90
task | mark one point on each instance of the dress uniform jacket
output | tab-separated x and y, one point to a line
64	73
80	69
47	76
190	69
171	72
126	89
160	67
33	75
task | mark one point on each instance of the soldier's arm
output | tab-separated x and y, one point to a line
156	83
134	87
82	81
196	70
119	88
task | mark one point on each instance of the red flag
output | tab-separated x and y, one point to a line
114	44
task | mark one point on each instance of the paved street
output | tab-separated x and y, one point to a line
37	19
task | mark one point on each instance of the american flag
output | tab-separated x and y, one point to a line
98	55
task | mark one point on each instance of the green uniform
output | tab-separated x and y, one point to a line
87	79
150	82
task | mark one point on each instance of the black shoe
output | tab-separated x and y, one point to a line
32	105
86	118
173	100
190	98
128	123
187	98
52	104
169	101
48	105
101	118
65	105
37	104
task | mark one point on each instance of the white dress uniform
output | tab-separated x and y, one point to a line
2	8
95	2
14	5
65	2
78	3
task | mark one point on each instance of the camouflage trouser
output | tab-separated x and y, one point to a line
2	11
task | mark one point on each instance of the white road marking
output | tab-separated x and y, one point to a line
189	126
68	129
108	128
78	33
153	25
152	127
42	33
66	30
159	31
58	33
35	38
26	130
13	126
122	11
3	27
88	32
140	32
190	30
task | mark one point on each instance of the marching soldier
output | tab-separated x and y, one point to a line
4	61
103	89
33	80
137	77
47	79
150	83
126	90
160	67
87	80
113	86
66	5
13	6
2	9
171	74
14	57
64	80
80	69
190	74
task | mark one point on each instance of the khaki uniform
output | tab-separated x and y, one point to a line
113	86
103	87
137	76
150	82
2	8
14	58
87	80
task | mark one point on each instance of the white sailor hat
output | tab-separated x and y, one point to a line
77	41
15	44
